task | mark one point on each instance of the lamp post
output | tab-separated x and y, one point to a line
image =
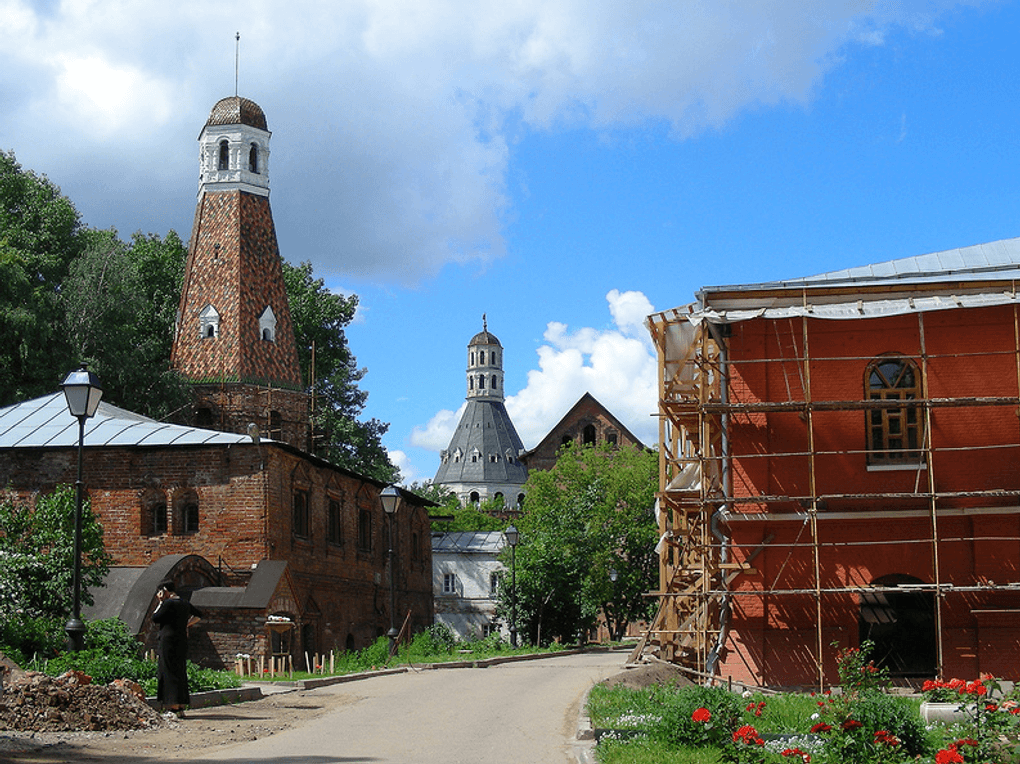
512	537
390	498
613	575
83	393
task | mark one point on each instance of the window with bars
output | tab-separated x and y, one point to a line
895	433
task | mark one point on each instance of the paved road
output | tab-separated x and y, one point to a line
514	713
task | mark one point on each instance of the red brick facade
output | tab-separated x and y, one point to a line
874	525
587	423
245	371
336	588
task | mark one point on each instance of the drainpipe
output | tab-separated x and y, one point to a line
719	334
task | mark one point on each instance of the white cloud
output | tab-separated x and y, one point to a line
392	119
435	436
617	366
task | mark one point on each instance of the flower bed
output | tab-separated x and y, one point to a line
859	723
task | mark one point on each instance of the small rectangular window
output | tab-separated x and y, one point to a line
300	527
493	582
365	530
449	583
335	533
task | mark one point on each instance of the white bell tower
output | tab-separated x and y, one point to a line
234	149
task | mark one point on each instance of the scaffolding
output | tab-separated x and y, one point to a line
699	564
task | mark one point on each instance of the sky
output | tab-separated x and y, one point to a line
564	168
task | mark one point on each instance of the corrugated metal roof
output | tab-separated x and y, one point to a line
46	423
995	261
468	542
983	275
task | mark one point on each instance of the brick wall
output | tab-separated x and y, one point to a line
245	499
971	353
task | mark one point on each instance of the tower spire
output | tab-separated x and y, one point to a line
237	59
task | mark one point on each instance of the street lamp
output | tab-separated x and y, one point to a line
390	498
613	575
83	393
512	537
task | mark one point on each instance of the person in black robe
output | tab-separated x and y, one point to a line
173	615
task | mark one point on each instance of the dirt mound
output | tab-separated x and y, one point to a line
40	703
639	676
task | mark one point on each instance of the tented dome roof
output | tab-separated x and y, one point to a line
235	110
484	338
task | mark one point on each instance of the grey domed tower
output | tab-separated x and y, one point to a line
482	460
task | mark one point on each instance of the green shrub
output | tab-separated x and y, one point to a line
112	636
437	639
24	637
677	726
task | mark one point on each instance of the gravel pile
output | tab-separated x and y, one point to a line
38	703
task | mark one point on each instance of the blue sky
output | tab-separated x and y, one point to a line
564	168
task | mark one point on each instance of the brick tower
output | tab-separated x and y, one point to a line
234	338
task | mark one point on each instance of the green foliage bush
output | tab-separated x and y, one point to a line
678	704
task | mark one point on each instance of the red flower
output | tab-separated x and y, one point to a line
948	756
821	727
851	724
976	688
746	734
701	715
886	738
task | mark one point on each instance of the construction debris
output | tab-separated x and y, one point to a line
36	702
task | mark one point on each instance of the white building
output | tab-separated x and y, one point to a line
466	573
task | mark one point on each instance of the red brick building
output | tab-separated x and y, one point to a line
587	423
839	464
286	553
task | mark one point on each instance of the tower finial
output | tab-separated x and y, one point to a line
237	58
485	326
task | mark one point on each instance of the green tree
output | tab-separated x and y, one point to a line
470	517
588	515
40	235
37	564
120	303
320	318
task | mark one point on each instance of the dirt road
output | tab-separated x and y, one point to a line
516	712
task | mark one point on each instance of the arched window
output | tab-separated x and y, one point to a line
224	161
474	497
253	158
481	357
520	501
186	511
300	515
494	384
154	514
481	383
895	433
471	383
588	435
